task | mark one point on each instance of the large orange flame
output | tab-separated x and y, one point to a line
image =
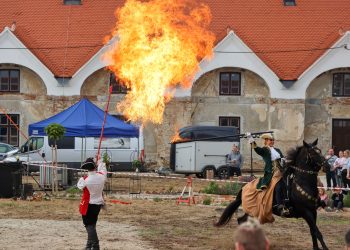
178	138
160	44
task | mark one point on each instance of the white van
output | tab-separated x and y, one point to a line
72	151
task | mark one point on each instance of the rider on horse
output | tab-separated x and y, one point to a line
273	159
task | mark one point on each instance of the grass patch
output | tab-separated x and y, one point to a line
157	199
73	190
207	201
227	189
8	205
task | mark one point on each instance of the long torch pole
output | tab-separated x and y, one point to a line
104	122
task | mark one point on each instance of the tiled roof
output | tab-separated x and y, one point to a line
265	26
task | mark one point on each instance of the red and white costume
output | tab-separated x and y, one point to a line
92	186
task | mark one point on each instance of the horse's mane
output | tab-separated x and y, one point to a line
292	155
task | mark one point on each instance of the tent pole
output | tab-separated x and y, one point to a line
81	152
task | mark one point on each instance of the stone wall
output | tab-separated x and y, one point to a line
291	120
257	111
321	107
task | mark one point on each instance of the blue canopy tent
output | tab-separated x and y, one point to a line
85	119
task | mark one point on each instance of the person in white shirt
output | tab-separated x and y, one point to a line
338	166
92	199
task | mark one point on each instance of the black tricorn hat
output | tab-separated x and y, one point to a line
89	164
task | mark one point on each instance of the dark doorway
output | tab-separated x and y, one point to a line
341	134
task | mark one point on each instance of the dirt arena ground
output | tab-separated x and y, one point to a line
153	223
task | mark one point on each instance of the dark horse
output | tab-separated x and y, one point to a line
302	166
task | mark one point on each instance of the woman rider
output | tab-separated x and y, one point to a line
258	194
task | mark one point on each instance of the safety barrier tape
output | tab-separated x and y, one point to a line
161	176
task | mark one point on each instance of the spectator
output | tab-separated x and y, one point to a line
235	161
338	166
330	174
346	176
347	240
337	199
323	197
250	236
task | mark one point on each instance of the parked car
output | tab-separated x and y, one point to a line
7	150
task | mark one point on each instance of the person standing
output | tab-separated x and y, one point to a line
92	199
330	174
338	166
346	176
235	161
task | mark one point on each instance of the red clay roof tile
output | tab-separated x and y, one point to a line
66	37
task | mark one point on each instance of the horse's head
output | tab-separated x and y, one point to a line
314	158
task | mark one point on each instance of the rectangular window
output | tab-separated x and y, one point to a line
9	80
71	2
341	84
289	3
230	83
8	132
63	143
117	87
234	121
340	134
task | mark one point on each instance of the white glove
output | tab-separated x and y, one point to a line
250	137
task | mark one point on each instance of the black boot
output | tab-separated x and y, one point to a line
92	237
88	242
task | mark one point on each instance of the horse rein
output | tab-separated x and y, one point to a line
304	171
298	187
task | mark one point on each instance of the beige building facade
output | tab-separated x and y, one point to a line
307	108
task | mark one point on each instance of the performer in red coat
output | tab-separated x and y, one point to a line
92	199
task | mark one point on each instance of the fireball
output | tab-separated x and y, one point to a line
160	43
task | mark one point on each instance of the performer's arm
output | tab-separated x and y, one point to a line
102	168
252	142
81	183
260	151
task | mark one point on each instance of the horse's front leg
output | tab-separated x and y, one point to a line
310	218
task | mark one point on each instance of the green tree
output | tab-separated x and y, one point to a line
55	131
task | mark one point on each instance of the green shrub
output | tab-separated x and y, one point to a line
207	201
157	199
73	190
212	188
347	200
227	189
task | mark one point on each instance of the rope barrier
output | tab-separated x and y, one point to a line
147	175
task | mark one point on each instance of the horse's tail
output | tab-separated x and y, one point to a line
229	210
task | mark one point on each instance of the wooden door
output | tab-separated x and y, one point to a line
340	134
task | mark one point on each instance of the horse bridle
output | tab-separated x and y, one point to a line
319	164
309	157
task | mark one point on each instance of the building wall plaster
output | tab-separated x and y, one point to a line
321	108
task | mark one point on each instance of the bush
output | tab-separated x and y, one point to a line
227	189
207	201
212	188
347	200
157	199
73	190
